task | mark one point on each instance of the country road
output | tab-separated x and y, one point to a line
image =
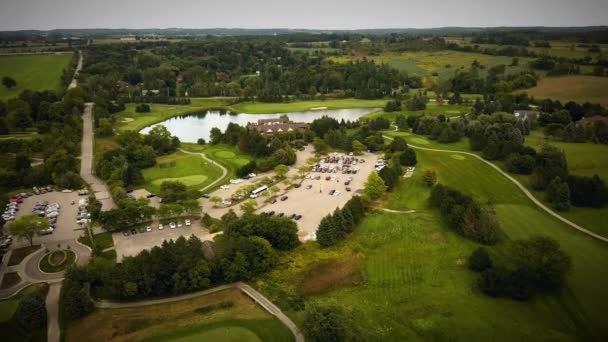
74	82
519	185
224	170
248	290
99	187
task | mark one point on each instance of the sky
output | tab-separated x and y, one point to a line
311	14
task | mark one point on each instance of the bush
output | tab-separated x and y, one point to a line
31	311
325	323
142	108
200	141
408	157
520	163
479	260
429	177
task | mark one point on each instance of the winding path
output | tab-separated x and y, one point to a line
248	290
519	185
224	170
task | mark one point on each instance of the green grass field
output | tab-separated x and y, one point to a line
189	169
131	120
179	321
34	72
417	286
572	88
299	106
101	240
432	109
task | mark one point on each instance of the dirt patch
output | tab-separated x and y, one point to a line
10	279
20	253
57	258
330	275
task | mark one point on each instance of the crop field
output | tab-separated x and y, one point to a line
416	282
34	72
129	119
243	320
444	63
300	106
192	170
572	88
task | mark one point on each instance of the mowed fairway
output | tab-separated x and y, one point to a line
228	156
192	170
179	321
581	89
34	72
417	286
300	106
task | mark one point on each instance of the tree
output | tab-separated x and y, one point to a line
31	311
358	147
479	260
374	186
27	227
281	170
248	207
215	200
429	177
558	194
8	82
173	191
408	157
320	145
398	144
325	324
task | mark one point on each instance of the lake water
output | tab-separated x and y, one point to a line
191	127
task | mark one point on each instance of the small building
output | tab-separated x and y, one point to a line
525	114
278	125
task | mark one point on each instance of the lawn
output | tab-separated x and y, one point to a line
34	72
11	331
131	120
46	266
432	109
417	286
228	156
189	169
300	106
101	240
572	88
243	321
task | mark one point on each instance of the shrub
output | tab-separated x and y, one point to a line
31	311
408	157
429	177
142	108
325	323
479	260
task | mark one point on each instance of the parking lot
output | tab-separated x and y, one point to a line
312	199
66	226
131	245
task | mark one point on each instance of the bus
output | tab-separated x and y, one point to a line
257	192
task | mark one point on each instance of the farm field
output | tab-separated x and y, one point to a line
192	170
35	72
243	320
300	106
444	63
416	283
129	119
572	88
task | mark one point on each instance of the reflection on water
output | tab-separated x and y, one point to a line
191	127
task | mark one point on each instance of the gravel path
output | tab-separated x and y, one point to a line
224	170
519	185
248	290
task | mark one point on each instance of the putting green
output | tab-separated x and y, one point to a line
187	180
420	141
240	161
457	156
224	154
223	334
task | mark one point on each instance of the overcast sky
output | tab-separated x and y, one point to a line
323	14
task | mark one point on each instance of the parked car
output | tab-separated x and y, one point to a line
284	198
348	189
188	223
133	231
148	229
298	217
179	225
206	196
160	226
172	225
281	214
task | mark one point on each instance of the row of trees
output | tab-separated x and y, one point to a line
334	227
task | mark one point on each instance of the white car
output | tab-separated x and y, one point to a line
333	178
67	191
172	225
148	229
179	224
251	175
188	223
337	193
160	227
224	187
227	202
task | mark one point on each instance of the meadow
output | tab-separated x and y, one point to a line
190	169
34	72
416	284
577	88
186	320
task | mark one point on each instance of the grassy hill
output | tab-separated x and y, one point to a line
35	72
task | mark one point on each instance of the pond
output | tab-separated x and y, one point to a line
191	127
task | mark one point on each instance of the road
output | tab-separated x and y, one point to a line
52	312
99	187
224	170
74	82
248	290
519	185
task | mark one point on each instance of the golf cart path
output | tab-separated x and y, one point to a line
248	290
224	170
519	185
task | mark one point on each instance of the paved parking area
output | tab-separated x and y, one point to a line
133	244
313	204
67	228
